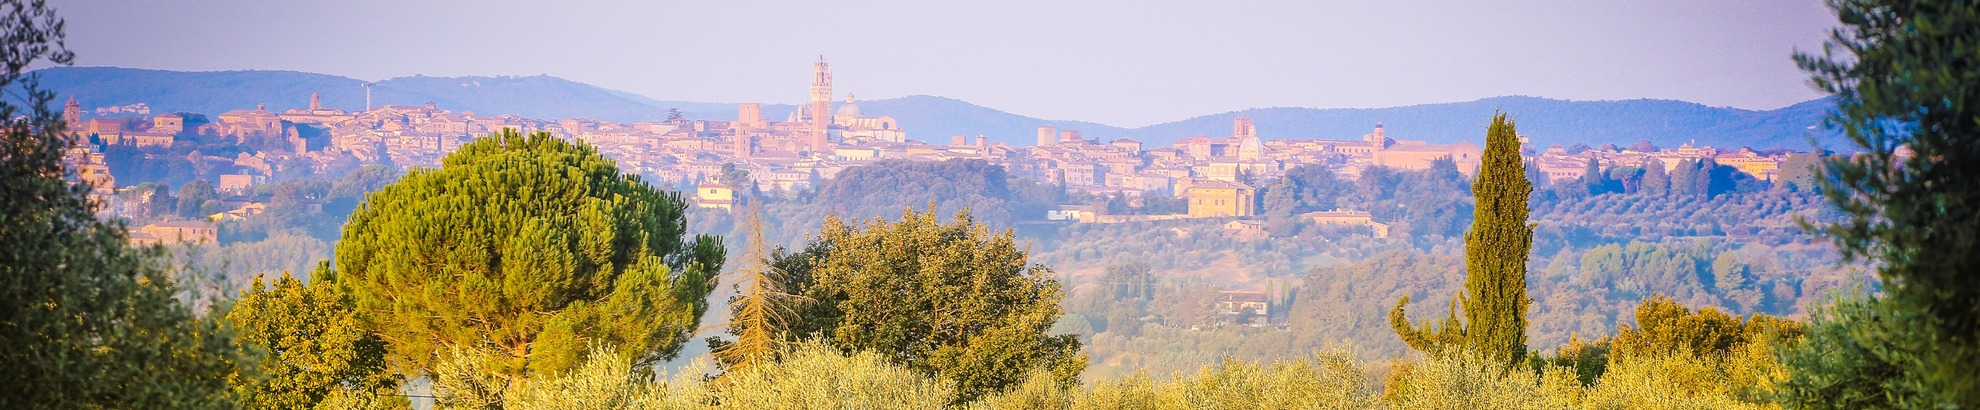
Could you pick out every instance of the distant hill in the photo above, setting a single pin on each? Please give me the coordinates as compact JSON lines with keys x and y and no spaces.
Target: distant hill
{"x":214,"y":92}
{"x":935,"y":119}
{"x":1666,"y":123}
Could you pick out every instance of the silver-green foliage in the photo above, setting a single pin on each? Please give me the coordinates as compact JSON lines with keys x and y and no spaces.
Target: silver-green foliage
{"x":811,"y":376}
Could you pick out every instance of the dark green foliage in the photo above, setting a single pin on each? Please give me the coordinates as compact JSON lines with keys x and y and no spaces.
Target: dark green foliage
{"x":1435,"y":201}
{"x":1588,"y":359}
{"x":530,"y":250}
{"x":1129,"y":281}
{"x":1703,"y":179}
{"x":162,"y":165}
{"x":1656,"y":181}
{"x":86,"y":321}
{"x":1593,"y":181}
{"x":1623,"y":179}
{"x":877,"y":190}
{"x":1798,"y":173}
{"x":1640,"y":269}
{"x":193,"y":197}
{"x":1861,"y":352}
{"x":734,"y":177}
{"x":1306,"y":188}
{"x":1763,"y":217}
{"x":312,"y":344}
{"x":346,"y":192}
{"x":1906,"y":73}
{"x":1281,"y":207}
{"x":951,"y":299}
{"x":1495,"y":300}
{"x":290,"y":203}
{"x":1316,"y":188}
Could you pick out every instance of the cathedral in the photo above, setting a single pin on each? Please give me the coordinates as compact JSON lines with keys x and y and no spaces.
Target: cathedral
{"x":847,"y":125}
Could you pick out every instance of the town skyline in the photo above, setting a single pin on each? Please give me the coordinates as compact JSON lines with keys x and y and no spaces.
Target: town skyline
{"x":110,"y":90}
{"x":1055,"y":62}
{"x":1218,"y":174}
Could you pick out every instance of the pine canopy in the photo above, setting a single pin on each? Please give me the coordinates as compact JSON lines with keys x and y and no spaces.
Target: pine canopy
{"x":530,"y":250}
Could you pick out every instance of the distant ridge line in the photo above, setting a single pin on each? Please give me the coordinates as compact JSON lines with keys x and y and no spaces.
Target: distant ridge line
{"x":1665,"y":123}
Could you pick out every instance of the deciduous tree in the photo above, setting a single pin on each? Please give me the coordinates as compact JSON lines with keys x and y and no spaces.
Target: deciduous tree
{"x":760,"y":309}
{"x":313,"y":348}
{"x":951,"y":299}
{"x":193,"y":197}
{"x":86,"y":321}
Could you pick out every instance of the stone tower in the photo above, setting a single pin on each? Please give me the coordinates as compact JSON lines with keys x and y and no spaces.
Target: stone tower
{"x":1245,"y":136}
{"x":750,"y":115}
{"x":1242,"y":129}
{"x":744,"y":144}
{"x":72,"y":113}
{"x":315,"y":103}
{"x":821,"y":107}
{"x":1379,"y":139}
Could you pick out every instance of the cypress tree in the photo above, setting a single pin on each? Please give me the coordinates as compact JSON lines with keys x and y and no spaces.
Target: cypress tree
{"x":1592,"y":177}
{"x":1495,"y":251}
{"x":1656,"y":182}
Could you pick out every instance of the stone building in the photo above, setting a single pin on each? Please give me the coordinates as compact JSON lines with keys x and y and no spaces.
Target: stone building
{"x":1211,"y":198}
{"x":174,"y":232}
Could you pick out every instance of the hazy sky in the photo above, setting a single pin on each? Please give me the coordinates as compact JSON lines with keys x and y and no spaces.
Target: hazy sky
{"x":1127,"y":63}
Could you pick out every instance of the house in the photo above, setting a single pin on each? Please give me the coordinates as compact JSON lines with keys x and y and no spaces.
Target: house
{"x":1080,"y":213}
{"x":238,"y":184}
{"x":1347,"y":218}
{"x":1221,"y":198}
{"x":240,"y":213}
{"x":714,"y":196}
{"x":1245,"y":230}
{"x":175,"y":232}
{"x":1251,"y":308}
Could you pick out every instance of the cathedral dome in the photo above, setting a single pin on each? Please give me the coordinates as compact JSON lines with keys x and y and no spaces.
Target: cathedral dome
{"x":850,"y":109}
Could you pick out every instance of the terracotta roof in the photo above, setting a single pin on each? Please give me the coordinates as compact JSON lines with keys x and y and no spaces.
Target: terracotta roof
{"x":1241,"y":297}
{"x":1216,"y":184}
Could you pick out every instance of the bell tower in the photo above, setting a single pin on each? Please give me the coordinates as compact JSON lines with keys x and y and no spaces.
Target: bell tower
{"x":1242,"y":128}
{"x":1378,"y":139}
{"x":821,"y":106}
{"x":72,"y":113}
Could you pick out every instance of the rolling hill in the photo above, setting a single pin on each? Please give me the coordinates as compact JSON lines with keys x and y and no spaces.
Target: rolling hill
{"x":214,"y":92}
{"x":1665,"y":123}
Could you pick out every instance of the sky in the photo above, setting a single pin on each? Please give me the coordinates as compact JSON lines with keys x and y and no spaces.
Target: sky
{"x":1123,"y":63}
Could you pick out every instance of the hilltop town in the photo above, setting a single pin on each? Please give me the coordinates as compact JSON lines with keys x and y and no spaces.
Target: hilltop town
{"x":1216,"y":174}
